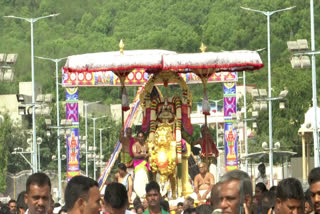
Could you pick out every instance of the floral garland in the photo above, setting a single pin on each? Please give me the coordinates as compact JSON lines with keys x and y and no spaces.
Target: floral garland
{"x":177,"y":122}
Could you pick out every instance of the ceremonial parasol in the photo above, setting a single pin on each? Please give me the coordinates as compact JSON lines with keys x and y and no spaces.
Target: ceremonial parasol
{"x":119,"y":62}
{"x":206,"y":63}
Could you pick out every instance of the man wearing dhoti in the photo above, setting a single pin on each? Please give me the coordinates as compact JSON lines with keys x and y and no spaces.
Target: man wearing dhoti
{"x":127,"y":142}
{"x":203,"y":183}
{"x":140,"y":164}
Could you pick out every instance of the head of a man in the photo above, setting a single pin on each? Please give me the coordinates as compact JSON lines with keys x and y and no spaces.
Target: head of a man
{"x":145,"y":204}
{"x":215,"y":195}
{"x":129,"y":132}
{"x":188,"y":203}
{"x":314,"y":184}
{"x":260,"y":189}
{"x":38,"y":193}
{"x":12,"y":204}
{"x":139,"y":209}
{"x":308,"y":208}
{"x":21,"y":205}
{"x":203,"y":168}
{"x":179,"y":207}
{"x":116,"y":198}
{"x":268,"y":200}
{"x":140,"y":137}
{"x":289,"y":196}
{"x":236,"y":189}
{"x":122,"y":169}
{"x":82,"y":195}
{"x":262,"y":169}
{"x":153,"y":194}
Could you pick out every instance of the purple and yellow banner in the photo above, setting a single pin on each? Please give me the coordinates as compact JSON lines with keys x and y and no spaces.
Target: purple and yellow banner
{"x":73,"y":147}
{"x":137,"y":77}
{"x":230,"y":134}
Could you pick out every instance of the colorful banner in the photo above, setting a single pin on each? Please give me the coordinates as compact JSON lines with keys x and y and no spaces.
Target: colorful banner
{"x":137,"y":77}
{"x":230,"y":134}
{"x":73,"y":147}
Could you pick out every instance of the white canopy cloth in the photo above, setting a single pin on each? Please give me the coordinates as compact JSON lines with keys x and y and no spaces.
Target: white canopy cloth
{"x":114,"y":61}
{"x":218,"y":61}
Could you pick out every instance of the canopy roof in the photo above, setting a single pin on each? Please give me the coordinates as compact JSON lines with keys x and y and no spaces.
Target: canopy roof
{"x":218,"y":61}
{"x":259,"y":155}
{"x":164,"y":60}
{"x":115,"y":61}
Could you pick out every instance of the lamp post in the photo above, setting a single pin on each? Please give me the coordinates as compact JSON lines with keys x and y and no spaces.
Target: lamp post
{"x":100,"y":155}
{"x":39,"y":141}
{"x":315,"y":104}
{"x":245,"y":119}
{"x":66,"y":126}
{"x":268,"y":14}
{"x":217,"y":139}
{"x":94,"y":145}
{"x":314,"y":91}
{"x":31,"y":21}
{"x":86,"y":121}
{"x":58,"y":119}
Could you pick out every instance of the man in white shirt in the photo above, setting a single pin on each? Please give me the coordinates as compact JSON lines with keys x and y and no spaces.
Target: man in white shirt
{"x":38,"y":193}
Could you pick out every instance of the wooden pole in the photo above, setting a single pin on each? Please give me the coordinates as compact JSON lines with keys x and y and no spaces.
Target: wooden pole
{"x":206,"y":140}
{"x":122,"y":122}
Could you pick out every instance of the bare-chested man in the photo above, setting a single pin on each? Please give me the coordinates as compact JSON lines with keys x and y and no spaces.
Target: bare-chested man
{"x":127,"y":142}
{"x":203,"y":183}
{"x":141,"y":165}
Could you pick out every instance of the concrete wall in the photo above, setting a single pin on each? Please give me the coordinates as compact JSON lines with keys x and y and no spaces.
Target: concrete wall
{"x":16,"y":183}
{"x":26,"y":88}
{"x":297,"y":163}
{"x":9,"y":105}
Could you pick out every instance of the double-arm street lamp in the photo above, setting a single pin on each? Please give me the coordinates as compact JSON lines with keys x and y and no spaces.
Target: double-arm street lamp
{"x":314,"y":99}
{"x":304,"y":64}
{"x":268,"y":14}
{"x":314,"y":89}
{"x":31,"y":21}
{"x":58,"y":117}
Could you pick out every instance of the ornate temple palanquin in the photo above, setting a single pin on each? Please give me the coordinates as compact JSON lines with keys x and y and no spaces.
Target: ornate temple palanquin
{"x":165,"y":117}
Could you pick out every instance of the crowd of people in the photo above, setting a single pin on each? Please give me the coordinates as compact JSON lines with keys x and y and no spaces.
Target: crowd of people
{"x":232,"y":194}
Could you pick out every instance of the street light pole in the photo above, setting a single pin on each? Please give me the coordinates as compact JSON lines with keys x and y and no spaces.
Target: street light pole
{"x":245,"y":120}
{"x":314,"y":91}
{"x":86,"y":121}
{"x":34,"y":145}
{"x":268,"y":14}
{"x":217,"y":140}
{"x":94,"y":145}
{"x":100,"y":155}
{"x":58,"y":121}
{"x":39,"y":141}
